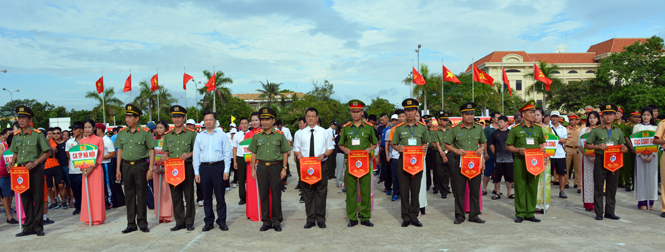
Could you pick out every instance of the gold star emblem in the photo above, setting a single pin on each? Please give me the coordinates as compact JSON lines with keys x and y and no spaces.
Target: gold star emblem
{"x":468,"y":106}
{"x":176,"y":109}
{"x":449,"y":75}
{"x":129,"y":107}
{"x":408,"y":102}
{"x":265,"y":110}
{"x":608,"y":106}
{"x":20,"y":109}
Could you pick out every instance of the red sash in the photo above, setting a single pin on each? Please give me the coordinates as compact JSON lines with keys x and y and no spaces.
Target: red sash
{"x":613,"y":158}
{"x":470,"y":164}
{"x":310,"y":170}
{"x":535,"y":161}
{"x":174,"y":168}
{"x":412,"y":159}
{"x":20,"y":179}
{"x":358,"y":163}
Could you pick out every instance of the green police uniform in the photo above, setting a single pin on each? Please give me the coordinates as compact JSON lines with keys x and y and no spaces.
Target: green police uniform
{"x":603,"y":178}
{"x":135,"y":146}
{"x":28,"y":146}
{"x":366,"y":138}
{"x":176,"y":144}
{"x":441,"y":170}
{"x":626,"y":175}
{"x":268,"y":148}
{"x":409,"y":134}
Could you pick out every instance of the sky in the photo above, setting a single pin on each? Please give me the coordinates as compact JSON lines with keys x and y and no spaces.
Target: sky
{"x":55,"y":50}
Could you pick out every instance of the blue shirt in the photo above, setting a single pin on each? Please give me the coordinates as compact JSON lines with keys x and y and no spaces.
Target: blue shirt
{"x":113,"y":140}
{"x":383,"y":135}
{"x":213,"y":147}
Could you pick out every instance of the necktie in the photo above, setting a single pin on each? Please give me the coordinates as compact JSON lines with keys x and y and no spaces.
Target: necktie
{"x":311,"y":144}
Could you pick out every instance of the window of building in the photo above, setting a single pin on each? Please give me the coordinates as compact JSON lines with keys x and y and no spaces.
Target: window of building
{"x":556,"y":72}
{"x":591,"y":71}
{"x":572,"y":72}
{"x":518,"y":85}
{"x":513,"y":71}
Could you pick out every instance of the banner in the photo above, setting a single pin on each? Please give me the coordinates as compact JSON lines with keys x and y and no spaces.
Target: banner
{"x":158,"y":152}
{"x":412,"y":159}
{"x":7,"y":155}
{"x":310,"y":170}
{"x":613,"y":158}
{"x":358,"y":163}
{"x":643,"y":142}
{"x":551,"y":141}
{"x":586,"y":151}
{"x":535,"y":161}
{"x":174,"y":168}
{"x":20,"y":179}
{"x":243,"y":149}
{"x":471,"y":164}
{"x":83,"y":156}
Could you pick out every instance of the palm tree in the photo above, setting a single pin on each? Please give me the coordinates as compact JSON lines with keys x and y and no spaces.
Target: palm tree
{"x":166,"y":100}
{"x":109,"y":100}
{"x":431,"y":87}
{"x":146,"y":99}
{"x":269,"y":90}
{"x":548,"y":71}
{"x":223,"y":92}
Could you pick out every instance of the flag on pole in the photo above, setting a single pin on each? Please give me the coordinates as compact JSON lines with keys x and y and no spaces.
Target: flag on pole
{"x":539,"y":76}
{"x":449,"y":76}
{"x":154,"y":84}
{"x":482,"y":77}
{"x":417,"y":78}
{"x":100,"y":85}
{"x":128,"y":84}
{"x":232,"y":119}
{"x":185,"y":79}
{"x":211,"y":83}
{"x":506,"y":83}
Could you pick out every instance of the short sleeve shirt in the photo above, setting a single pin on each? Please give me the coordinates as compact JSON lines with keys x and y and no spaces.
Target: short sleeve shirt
{"x":488,"y":131}
{"x":411,"y":135}
{"x":364,"y":134}
{"x":135,"y":145}
{"x":28,"y":146}
{"x":660,"y":132}
{"x":178,"y":144}
{"x":498,"y":139}
{"x":518,"y":135}
{"x":442,"y":136}
{"x":466,"y":138}
{"x":269,"y":146}
{"x":602,"y":134}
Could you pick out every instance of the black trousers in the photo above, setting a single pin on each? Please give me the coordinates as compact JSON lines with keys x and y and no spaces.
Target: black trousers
{"x":117,"y":195}
{"x":75,"y":181}
{"x":33,"y":200}
{"x":430,"y":161}
{"x":270,"y":182}
{"x":441,"y":177}
{"x":600,"y":176}
{"x":242,"y":177}
{"x":212,"y":180}
{"x":459,"y":187}
{"x":386,"y":171}
{"x":332,"y":163}
{"x":315,"y":196}
{"x":136,"y":193}
{"x":184,"y":215}
{"x":409,"y":186}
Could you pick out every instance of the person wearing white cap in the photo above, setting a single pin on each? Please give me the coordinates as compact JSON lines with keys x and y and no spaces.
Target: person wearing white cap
{"x":559,"y":158}
{"x":190,"y":124}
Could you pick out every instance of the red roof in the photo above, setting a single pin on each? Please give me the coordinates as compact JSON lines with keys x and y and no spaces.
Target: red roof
{"x":496,"y":56}
{"x":613,"y":45}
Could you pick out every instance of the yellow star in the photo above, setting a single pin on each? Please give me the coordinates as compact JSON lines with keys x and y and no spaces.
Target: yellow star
{"x":449,"y":75}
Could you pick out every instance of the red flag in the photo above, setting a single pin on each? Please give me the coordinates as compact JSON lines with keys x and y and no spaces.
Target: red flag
{"x":506,"y":83}
{"x":211,"y":83}
{"x":449,"y":76}
{"x":185,"y":79}
{"x":417,"y":78}
{"x":482,"y":77}
{"x":100,"y":85}
{"x":128,"y":84}
{"x":539,"y":76}
{"x":154,"y":85}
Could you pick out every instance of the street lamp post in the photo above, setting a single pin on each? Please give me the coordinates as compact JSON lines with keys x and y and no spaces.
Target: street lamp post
{"x":197,"y":100}
{"x":10,"y":92}
{"x":420,"y":69}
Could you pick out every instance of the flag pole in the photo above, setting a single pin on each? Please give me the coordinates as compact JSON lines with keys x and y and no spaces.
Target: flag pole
{"x":185,"y":90}
{"x":158,"y":108}
{"x":103,"y":102}
{"x":503,"y":86}
{"x":130,"y":87}
{"x":214,"y":105}
{"x":473,"y":91}
{"x":87,"y":196}
{"x":159,"y":201}
{"x":442,"y":75}
{"x":411,"y":84}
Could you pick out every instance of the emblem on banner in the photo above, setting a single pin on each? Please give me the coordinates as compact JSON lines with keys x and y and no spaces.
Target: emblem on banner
{"x":471,"y":165}
{"x":20,"y":180}
{"x":359,"y":164}
{"x":414,"y":160}
{"x":534,"y":162}
{"x":613,"y":158}
{"x":175,"y":172}
{"x":310,"y":171}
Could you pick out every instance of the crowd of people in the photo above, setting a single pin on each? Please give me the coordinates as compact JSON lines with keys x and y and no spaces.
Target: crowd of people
{"x":408,"y":152}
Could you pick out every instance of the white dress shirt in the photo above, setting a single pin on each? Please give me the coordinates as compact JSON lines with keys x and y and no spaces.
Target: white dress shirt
{"x":71,"y":143}
{"x":235,"y":143}
{"x":322,"y":141}
{"x":213,"y":147}
{"x":108,"y":148}
{"x":287,"y":133}
{"x":562,"y":132}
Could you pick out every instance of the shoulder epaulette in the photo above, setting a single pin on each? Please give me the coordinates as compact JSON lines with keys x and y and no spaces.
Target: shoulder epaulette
{"x":372,"y":125}
{"x":17,"y":132}
{"x":259,"y":131}
{"x":454,"y":125}
{"x":478,"y":123}
{"x":435,"y":129}
{"x":594,"y":127}
{"x":278,"y":131}
{"x":400,"y":125}
{"x":422,"y":123}
{"x":168,"y":132}
{"x":146,"y":129}
{"x":37,"y":131}
{"x":537,"y":124}
{"x":347,"y":124}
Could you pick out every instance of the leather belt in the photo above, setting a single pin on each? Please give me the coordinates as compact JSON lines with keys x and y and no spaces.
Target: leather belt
{"x":574,"y":147}
{"x":212,"y":163}
{"x":270,"y":163}
{"x":135,"y":161}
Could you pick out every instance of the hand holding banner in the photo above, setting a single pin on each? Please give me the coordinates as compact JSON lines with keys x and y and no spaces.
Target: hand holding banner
{"x":310,"y":170}
{"x":470,"y":164}
{"x":643,"y":142}
{"x":613,"y":158}
{"x":358,"y":163}
{"x":535,"y":161}
{"x":412,"y":159}
{"x":20,"y":179}
{"x":174,"y":168}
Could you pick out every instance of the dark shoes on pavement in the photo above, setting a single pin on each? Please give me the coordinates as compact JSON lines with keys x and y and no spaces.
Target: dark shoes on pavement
{"x":367,"y":223}
{"x":458,"y":220}
{"x":352,"y":223}
{"x":12,"y":221}
{"x":322,"y":224}
{"x":477,"y":220}
{"x":519,"y":219}
{"x":144,"y":229}
{"x":129,"y":230}
{"x":309,"y":225}
{"x":277,"y":228}
{"x":177,"y":227}
{"x":241,"y":202}
{"x":612,"y":216}
{"x":563,"y":195}
{"x":264,"y":228}
{"x":532,"y":219}
{"x":223,"y":227}
{"x":207,"y":228}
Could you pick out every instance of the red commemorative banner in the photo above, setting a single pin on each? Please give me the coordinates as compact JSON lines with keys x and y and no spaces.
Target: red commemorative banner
{"x":470,"y":164}
{"x":20,"y":179}
{"x":613,"y":158}
{"x":358,"y":163}
{"x":174,"y":168}
{"x":310,"y":170}
{"x":412,"y":159}
{"x":535,"y":161}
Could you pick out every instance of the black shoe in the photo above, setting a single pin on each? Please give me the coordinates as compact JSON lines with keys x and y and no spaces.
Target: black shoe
{"x":177,"y":227}
{"x":422,"y":210}
{"x":662,"y":214}
{"x":129,"y":230}
{"x":435,"y":190}
{"x":352,"y":223}
{"x":612,"y":216}
{"x":24,"y":233}
{"x":64,"y":206}
{"x":532,"y":219}
{"x":458,"y":220}
{"x":302,"y":200}
{"x":277,"y":228}
{"x":405,"y":223}
{"x":519,"y":219}
{"x":575,"y":186}
{"x":322,"y":224}
{"x":48,"y":221}
{"x":333,"y":177}
{"x":477,"y":220}
{"x":621,"y":186}
{"x":599,"y":217}
{"x":484,"y":193}
{"x":242,"y":202}
{"x":555,"y":183}
{"x":367,"y":223}
{"x":417,"y":223}
{"x":144,"y":229}
{"x":223,"y":227}
{"x":628,"y":189}
{"x":190,"y":227}
{"x":40,"y":233}
{"x":297,"y":186}
{"x":12,"y":221}
{"x":76,"y":212}
{"x":567,"y":186}
{"x":444,"y":195}
{"x":427,"y":188}
{"x":579,"y":190}
{"x":207,"y":228}
{"x":563,"y":195}
{"x":309,"y":225}
{"x":264,"y":228}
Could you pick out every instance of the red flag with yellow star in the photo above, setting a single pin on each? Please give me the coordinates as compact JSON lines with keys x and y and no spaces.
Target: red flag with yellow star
{"x":539,"y":76}
{"x":417,"y":78}
{"x":449,"y":76}
{"x":211,"y":83}
{"x":128,"y":84}
{"x":482,"y":77}
{"x":100,"y":85}
{"x":185,"y":79}
{"x":154,"y":84}
{"x":506,"y":83}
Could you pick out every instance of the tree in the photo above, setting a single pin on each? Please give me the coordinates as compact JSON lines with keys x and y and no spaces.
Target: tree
{"x":235,"y":107}
{"x":429,"y":92}
{"x":379,"y":105}
{"x":221,"y":89}
{"x":165,"y":102}
{"x":555,"y":87}
{"x":110,"y":103}
{"x":146,"y":99}
{"x":322,"y":92}
{"x":269,"y":90}
{"x":572,"y":96}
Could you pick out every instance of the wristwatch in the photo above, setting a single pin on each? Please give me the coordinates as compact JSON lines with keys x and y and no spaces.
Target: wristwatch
{"x":284,"y":168}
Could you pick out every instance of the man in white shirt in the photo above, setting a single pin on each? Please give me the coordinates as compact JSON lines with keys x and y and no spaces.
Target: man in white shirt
{"x":559,"y":159}
{"x":75,"y":178}
{"x":109,"y":153}
{"x":287,"y":134}
{"x":302,"y":123}
{"x":239,"y":164}
{"x":314,"y":141}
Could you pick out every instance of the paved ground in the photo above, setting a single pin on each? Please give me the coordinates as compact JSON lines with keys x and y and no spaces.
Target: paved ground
{"x":566,"y":227}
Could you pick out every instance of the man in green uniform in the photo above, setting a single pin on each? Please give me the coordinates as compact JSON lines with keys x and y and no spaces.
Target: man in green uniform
{"x":409,"y":133}
{"x":431,"y":152}
{"x":626,"y":176}
{"x":523,"y":136}
{"x":441,"y":170}
{"x":178,"y":144}
{"x":135,"y":146}
{"x":599,"y":139}
{"x":270,"y":148}
{"x":30,"y":151}
{"x":357,"y":135}
{"x":467,"y":137}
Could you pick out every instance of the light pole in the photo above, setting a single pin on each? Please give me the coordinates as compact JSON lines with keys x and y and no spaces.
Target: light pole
{"x":196,"y":105}
{"x":185,"y":100}
{"x":10,"y":92}
{"x":420,"y":70}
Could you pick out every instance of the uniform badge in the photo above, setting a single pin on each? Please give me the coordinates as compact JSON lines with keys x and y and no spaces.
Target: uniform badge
{"x":265,"y":110}
{"x":20,"y":109}
{"x":468,"y":106}
{"x":408,"y":102}
{"x":355,"y":103}
{"x":608,"y":106}
{"x":176,"y":109}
